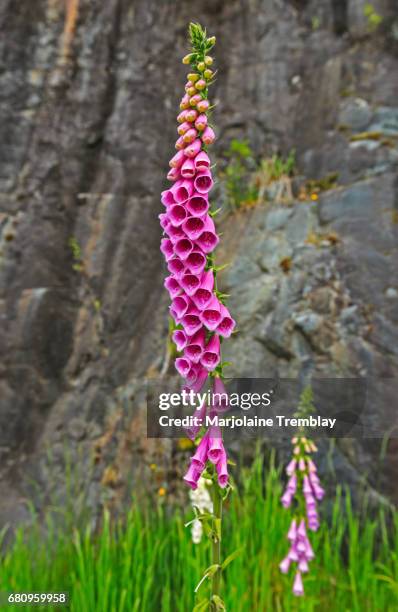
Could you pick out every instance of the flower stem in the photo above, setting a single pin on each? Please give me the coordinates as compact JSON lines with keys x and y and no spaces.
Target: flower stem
{"x":216,"y":547}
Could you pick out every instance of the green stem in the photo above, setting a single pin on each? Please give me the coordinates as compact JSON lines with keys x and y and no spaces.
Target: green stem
{"x":216,"y":547}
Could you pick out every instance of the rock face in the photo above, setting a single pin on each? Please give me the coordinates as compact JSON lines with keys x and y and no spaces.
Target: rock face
{"x":88,"y":99}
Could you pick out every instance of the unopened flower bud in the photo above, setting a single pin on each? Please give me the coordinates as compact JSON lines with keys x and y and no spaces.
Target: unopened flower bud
{"x":180,"y":143}
{"x":187,"y":58}
{"x":208,"y":136}
{"x":208,"y":74}
{"x":201,"y":122}
{"x":190,"y":136}
{"x":202,"y":106}
{"x":208,"y":60}
{"x":182,"y":117}
{"x":212,"y":40}
{"x":201,"y":84}
{"x":191,"y":91}
{"x":191,"y":115}
{"x":201,"y":66}
{"x":193,"y":77}
{"x":195,"y":99}
{"x":184,"y":104}
{"x":184,"y":127}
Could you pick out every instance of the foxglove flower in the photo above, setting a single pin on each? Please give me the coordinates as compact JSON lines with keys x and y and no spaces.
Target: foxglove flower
{"x":190,"y":237}
{"x":303,"y":480}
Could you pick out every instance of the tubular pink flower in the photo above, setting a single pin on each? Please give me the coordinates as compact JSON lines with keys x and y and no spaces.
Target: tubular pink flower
{"x":196,"y":262}
{"x":195,"y":347}
{"x":167,"y":198}
{"x":200,"y":415}
{"x":173,"y":174}
{"x":286,"y":499}
{"x":291,"y":467}
{"x":180,"y":339}
{"x":165,"y":221}
{"x":183,"y":366}
{"x":203,"y":296}
{"x":208,"y":136}
{"x":177,"y":214}
{"x":203,"y":181}
{"x":211,"y":355}
{"x":176,"y":267}
{"x":198,"y":205}
{"x":211,"y":315}
{"x":190,"y":283}
{"x":175,"y":232}
{"x":188,"y":168}
{"x":193,"y":227}
{"x":193,"y":149}
{"x":183,"y":191}
{"x":199,"y":458}
{"x":285,"y":564}
{"x":180,"y":305}
{"x":303,"y":565}
{"x":166,"y":246}
{"x":177,"y":160}
{"x":172,"y":286}
{"x":227,"y":324}
{"x":298,"y":588}
{"x":220,"y":396}
{"x":192,"y":476}
{"x":222,"y":469}
{"x":198,"y":384}
{"x":306,"y":485}
{"x":202,"y":161}
{"x":216,"y":446}
{"x":183,"y":248}
{"x":208,"y":240}
{"x":292,"y":533}
{"x":191,"y":322}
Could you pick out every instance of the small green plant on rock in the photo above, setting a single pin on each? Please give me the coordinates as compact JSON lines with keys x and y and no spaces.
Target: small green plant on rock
{"x":237,"y":173}
{"x":373,"y":18}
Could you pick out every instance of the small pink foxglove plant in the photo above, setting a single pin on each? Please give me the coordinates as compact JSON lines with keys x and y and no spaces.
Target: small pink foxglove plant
{"x":200,"y":316}
{"x":304,"y":486}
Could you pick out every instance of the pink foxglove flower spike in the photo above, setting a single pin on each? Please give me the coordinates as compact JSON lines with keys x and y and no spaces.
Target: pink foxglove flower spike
{"x":201,"y":318}
{"x":304,"y":486}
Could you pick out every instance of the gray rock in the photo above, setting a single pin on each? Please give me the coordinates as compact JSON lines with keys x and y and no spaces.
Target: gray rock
{"x":355,"y":114}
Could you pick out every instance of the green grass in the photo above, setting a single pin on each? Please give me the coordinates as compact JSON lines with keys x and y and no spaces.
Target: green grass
{"x":148,"y":562}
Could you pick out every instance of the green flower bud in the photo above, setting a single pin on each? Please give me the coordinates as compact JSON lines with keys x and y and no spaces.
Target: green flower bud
{"x":208,"y":60}
{"x":187,"y":59}
{"x":208,"y":74}
{"x":212,"y":40}
{"x":201,"y":66}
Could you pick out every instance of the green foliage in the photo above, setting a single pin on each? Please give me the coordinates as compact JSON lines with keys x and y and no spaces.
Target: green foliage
{"x":147,"y":562}
{"x":276,"y":167}
{"x":237,"y":174}
{"x":374,"y":19}
{"x":76,"y":254}
{"x":246,"y":179}
{"x":315,"y":22}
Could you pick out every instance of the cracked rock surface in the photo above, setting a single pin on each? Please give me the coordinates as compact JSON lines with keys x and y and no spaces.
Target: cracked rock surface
{"x":88,"y":99}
